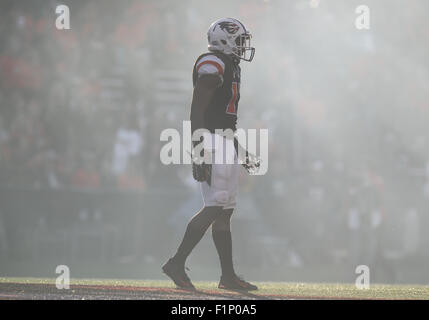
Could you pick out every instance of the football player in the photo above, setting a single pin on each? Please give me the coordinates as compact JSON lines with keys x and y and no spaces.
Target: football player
{"x":216,"y":81}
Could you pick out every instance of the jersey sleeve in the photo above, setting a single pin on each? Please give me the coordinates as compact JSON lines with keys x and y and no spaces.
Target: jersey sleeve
{"x":210,"y":64}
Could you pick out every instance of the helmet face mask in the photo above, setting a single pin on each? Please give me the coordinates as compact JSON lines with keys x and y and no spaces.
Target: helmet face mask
{"x":243,"y":49}
{"x":230,"y":37}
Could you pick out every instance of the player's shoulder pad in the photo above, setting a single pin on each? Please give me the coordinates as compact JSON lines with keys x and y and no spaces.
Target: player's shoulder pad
{"x":210,"y":64}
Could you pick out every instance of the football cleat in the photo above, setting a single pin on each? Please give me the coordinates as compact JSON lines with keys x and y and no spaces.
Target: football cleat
{"x":177,"y":273}
{"x":235,"y":283}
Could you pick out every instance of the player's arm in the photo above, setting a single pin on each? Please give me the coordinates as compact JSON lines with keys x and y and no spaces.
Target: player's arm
{"x":210,"y":70}
{"x":204,"y":90}
{"x":203,"y":93}
{"x":210,"y":76}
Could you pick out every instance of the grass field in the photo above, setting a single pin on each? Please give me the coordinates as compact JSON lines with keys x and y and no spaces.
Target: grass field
{"x":37,"y":288}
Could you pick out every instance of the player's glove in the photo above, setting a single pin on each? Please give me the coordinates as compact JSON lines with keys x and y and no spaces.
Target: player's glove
{"x":251,"y":163}
{"x":201,"y":171}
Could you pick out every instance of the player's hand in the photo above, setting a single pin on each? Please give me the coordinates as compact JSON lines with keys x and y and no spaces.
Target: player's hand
{"x":201,"y":171}
{"x":251,"y":163}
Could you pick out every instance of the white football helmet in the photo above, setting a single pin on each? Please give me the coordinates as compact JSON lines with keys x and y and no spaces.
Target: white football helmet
{"x":228,"y":35}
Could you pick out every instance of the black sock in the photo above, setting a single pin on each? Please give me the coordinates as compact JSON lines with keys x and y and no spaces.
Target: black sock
{"x":195,"y":230}
{"x":221,"y":232}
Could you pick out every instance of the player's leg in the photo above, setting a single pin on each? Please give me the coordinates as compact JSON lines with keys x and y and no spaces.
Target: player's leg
{"x":221,"y":233}
{"x":195,"y":230}
{"x":228,"y":176}
{"x":197,"y":226}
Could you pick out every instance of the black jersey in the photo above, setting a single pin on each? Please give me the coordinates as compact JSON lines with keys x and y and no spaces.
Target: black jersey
{"x":221,"y":113}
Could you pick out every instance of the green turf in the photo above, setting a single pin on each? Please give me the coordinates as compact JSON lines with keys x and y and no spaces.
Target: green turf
{"x":288,"y":290}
